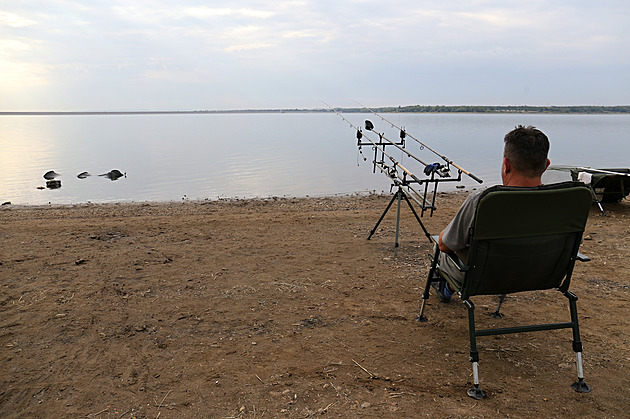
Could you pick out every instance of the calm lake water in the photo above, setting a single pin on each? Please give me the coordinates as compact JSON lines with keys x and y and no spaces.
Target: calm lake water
{"x":210,"y":156}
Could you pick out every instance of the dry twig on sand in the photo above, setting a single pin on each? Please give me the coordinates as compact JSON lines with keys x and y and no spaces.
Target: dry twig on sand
{"x":360,"y":366}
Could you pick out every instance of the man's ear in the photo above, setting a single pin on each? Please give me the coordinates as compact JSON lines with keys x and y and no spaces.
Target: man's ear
{"x":548,"y":163}
{"x":507,"y":166}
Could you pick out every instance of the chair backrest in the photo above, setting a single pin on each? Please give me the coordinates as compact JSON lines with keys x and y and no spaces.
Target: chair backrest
{"x":526,"y":239}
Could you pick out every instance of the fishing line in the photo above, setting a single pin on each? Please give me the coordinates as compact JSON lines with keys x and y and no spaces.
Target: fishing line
{"x":369,"y":126}
{"x":423,"y":146}
{"x":390,"y":171}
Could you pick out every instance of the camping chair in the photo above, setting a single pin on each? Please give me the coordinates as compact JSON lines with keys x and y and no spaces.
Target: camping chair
{"x":607,"y":185}
{"x":522,"y":239}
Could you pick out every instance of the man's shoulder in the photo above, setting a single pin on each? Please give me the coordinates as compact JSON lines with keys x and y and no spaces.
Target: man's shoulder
{"x":474,"y":196}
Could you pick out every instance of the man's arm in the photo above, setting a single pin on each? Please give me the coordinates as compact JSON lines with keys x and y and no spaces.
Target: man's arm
{"x":457,"y":231}
{"x":443,"y":248}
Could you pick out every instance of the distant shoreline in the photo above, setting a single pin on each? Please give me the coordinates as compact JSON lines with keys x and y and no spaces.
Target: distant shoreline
{"x":564,"y":110}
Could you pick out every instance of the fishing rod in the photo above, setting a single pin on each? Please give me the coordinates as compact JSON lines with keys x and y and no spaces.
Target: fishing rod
{"x":404,"y":179}
{"x":430,"y":170}
{"x":370,"y":127}
{"x":381,"y":147}
{"x":588,"y":169}
{"x":447,"y":160}
{"x":415,"y":195}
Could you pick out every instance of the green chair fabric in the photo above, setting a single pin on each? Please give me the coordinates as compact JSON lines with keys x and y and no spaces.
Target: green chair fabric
{"x":524,"y":238}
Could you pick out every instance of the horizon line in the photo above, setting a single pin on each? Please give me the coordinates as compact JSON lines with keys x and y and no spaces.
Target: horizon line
{"x":383,"y":109}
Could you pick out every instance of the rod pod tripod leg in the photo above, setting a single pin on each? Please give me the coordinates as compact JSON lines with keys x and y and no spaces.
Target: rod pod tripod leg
{"x":399,"y":195}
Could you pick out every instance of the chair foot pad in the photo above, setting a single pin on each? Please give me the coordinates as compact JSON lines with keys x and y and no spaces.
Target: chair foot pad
{"x":580,"y":386}
{"x":476,"y":393}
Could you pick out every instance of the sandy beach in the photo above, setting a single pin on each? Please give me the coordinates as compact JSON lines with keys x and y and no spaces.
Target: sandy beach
{"x":282,"y":308}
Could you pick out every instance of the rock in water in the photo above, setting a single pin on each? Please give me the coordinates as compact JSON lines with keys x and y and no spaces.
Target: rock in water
{"x":114,"y":174}
{"x":51,"y":174}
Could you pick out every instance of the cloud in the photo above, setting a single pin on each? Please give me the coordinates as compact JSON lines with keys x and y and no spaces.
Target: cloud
{"x":205,"y":12}
{"x":244,"y":47}
{"x":275,"y":54}
{"x":18,"y":73}
{"x":14,"y":20}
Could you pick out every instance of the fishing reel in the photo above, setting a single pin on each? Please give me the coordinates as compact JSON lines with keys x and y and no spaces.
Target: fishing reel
{"x":437,"y":168}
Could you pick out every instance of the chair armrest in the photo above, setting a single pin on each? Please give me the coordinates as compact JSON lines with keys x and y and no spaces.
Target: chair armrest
{"x":583,"y":258}
{"x":461,"y":266}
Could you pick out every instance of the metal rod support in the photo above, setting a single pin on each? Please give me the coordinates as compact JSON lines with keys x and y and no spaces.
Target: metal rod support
{"x":578,"y":361}
{"x":520,"y":329}
{"x":396,"y":244}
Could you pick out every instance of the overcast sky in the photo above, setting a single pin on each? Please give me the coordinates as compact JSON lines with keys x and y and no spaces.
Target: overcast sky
{"x":186,"y":54}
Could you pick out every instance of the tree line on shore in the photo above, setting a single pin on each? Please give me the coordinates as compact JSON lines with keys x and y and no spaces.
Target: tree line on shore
{"x":581,"y":109}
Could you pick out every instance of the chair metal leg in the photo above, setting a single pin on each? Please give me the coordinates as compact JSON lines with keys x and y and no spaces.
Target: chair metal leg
{"x":421,"y":317}
{"x":497,"y":314}
{"x":580,"y":386}
{"x":475,"y":391}
{"x":427,"y":287}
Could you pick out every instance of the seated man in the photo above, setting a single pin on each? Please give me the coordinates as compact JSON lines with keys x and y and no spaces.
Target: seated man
{"x":524,"y":162}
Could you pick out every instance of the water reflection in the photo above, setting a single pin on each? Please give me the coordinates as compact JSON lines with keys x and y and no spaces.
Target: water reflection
{"x":53,"y":184}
